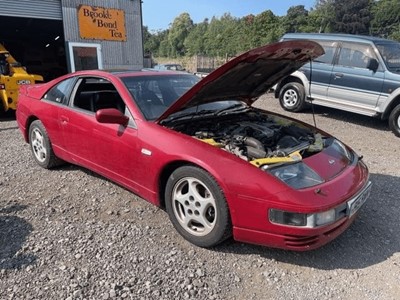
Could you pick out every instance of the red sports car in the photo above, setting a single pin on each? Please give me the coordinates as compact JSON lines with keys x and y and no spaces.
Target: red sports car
{"x":219,"y":166}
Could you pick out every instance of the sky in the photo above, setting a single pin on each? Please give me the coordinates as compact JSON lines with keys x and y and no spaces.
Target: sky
{"x":159,"y":14}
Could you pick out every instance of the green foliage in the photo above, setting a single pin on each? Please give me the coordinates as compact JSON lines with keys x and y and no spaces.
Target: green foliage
{"x":296,"y":19}
{"x":196,"y":40}
{"x":352,"y":16}
{"x":386,"y":19}
{"x":178,"y":32}
{"x":323,"y":16}
{"x":229,"y":36}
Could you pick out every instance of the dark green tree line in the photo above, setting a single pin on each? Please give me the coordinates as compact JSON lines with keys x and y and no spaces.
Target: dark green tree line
{"x":228,"y":35}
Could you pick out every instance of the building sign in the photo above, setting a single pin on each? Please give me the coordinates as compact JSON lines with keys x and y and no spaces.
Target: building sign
{"x":101,"y":23}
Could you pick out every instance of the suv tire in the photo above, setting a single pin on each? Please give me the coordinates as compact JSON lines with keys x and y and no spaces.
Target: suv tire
{"x":394,"y":120}
{"x":292,"y":97}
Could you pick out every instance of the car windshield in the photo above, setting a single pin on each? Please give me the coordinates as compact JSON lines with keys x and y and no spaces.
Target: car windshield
{"x":390,"y":52}
{"x":154,"y":94}
{"x":217,"y":108}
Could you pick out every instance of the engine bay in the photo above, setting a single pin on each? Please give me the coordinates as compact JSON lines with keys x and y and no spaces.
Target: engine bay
{"x":254,"y":136}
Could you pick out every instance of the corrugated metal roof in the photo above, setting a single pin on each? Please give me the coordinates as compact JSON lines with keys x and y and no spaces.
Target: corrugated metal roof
{"x":41,"y":9}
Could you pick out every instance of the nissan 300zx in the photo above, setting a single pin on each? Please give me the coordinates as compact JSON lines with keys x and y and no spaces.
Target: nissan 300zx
{"x":220,"y":167}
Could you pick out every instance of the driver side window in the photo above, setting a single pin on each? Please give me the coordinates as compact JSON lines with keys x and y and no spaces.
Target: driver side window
{"x":355,"y":55}
{"x":93,"y":94}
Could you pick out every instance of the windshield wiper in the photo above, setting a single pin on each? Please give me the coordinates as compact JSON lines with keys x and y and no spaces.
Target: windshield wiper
{"x":234,"y":108}
{"x":188,"y":115}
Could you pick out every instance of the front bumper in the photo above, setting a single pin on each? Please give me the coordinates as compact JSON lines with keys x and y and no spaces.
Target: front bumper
{"x":306,"y":238}
{"x":315,"y":239}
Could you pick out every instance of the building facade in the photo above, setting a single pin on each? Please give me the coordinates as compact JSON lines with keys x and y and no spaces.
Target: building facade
{"x":52,"y":37}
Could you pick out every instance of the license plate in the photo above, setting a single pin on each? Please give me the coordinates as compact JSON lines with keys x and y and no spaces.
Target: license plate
{"x":355,"y":204}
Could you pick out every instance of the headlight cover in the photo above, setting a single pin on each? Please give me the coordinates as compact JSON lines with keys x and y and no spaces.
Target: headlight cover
{"x":342,"y":149}
{"x":297,"y":175}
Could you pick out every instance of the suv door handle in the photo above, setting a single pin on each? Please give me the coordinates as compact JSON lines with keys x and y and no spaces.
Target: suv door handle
{"x":339,"y":75}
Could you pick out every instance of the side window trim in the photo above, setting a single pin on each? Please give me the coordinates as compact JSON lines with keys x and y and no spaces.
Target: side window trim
{"x":356,"y":55}
{"x":74,"y":93}
{"x":60,"y":97}
{"x":333,"y":54}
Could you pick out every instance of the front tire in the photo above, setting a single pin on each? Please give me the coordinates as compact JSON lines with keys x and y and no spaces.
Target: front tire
{"x":394,"y":120}
{"x":41,"y":146}
{"x":197,"y":207}
{"x":292,"y":97}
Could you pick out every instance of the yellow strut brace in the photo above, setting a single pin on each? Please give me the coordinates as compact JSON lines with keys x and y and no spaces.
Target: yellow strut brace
{"x":292,"y":157}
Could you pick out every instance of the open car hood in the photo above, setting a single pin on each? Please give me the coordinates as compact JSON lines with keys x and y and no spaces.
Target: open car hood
{"x":249,"y":75}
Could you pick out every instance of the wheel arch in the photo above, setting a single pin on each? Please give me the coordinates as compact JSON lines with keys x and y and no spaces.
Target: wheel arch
{"x":28,"y":123}
{"x":169,"y":168}
{"x":298,"y":77}
{"x":395,"y":101}
{"x":163,"y":178}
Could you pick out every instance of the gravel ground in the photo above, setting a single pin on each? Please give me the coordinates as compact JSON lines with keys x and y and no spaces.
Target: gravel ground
{"x":70,"y":234}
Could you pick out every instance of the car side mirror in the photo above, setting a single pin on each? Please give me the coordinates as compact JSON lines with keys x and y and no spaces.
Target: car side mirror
{"x":372,"y":64}
{"x":111,"y":116}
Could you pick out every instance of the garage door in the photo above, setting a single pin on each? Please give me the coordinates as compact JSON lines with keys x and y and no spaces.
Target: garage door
{"x":41,"y":9}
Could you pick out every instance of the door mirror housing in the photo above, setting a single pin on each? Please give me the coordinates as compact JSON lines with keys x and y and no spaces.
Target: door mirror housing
{"x":372,"y":64}
{"x":111,"y":116}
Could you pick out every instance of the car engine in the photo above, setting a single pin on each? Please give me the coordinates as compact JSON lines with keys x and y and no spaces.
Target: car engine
{"x":255,"y":135}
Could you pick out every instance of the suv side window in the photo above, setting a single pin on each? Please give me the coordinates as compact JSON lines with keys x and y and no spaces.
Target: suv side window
{"x":355,"y":55}
{"x":330,"y":49}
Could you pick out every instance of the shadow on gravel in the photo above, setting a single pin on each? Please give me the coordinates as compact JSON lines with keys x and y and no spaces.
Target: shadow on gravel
{"x":13,"y":233}
{"x":344,"y":116}
{"x":370,"y":240}
{"x":9,"y":128}
{"x":7,"y":116}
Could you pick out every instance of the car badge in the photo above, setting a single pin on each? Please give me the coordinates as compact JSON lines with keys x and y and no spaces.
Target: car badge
{"x":146,"y":152}
{"x":331,"y":161}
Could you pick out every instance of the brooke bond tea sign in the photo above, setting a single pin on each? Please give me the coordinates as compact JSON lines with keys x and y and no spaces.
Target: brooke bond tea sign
{"x":101,"y":23}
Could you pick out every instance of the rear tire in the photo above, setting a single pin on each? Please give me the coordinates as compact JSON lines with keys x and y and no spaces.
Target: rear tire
{"x":394,"y":120}
{"x":292,"y":97}
{"x":41,"y":146}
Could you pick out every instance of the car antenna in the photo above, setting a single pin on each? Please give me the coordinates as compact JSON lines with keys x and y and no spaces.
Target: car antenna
{"x":311,"y":99}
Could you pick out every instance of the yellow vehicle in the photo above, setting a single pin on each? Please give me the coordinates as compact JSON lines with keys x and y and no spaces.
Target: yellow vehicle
{"x":12,"y":75}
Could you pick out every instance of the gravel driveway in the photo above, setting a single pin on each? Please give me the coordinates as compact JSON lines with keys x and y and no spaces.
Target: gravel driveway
{"x":70,"y":234}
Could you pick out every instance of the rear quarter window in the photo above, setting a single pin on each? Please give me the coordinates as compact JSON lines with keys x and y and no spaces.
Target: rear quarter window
{"x":60,"y":92}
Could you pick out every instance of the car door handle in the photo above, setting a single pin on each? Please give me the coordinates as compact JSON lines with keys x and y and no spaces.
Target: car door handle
{"x":64,"y":119}
{"x":339,"y":75}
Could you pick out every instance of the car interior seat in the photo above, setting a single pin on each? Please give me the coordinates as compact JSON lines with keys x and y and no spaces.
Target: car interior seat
{"x":108,"y":99}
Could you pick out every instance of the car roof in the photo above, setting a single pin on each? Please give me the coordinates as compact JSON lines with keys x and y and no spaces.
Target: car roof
{"x":335,"y":36}
{"x":125,"y":73}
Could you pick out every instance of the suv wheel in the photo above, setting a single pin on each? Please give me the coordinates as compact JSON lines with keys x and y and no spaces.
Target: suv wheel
{"x":292,"y":97}
{"x":394,"y":120}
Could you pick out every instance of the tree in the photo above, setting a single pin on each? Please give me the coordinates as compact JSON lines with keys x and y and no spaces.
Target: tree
{"x":196,"y":39}
{"x":295,"y":19}
{"x":152,"y":41}
{"x":268,"y":28}
{"x":324,"y":15}
{"x":222,"y":36}
{"x":352,"y":16}
{"x":386,"y":18}
{"x":178,"y":32}
{"x":156,"y":42}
